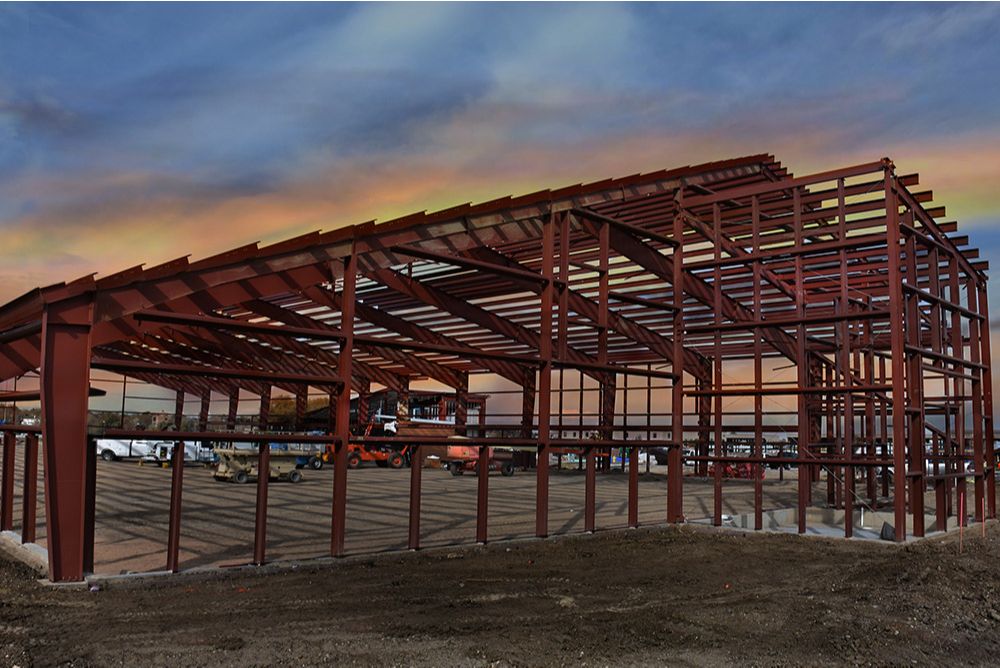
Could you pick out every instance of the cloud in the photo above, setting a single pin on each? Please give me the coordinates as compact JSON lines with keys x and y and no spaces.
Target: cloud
{"x":908,"y":27}
{"x":169,"y":132}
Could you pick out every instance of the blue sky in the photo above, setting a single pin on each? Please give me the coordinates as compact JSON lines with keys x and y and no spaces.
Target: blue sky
{"x":134,"y":132}
{"x":124,"y":119}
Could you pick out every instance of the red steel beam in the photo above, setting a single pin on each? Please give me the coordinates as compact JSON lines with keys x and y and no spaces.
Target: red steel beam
{"x":127,"y":366}
{"x":416,"y":364}
{"x":594,"y":312}
{"x":394,"y":323}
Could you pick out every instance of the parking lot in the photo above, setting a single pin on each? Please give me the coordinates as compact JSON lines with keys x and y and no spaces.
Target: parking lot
{"x":218,"y":517}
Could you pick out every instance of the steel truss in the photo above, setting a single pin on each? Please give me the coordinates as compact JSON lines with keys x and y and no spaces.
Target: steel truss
{"x":843,"y":275}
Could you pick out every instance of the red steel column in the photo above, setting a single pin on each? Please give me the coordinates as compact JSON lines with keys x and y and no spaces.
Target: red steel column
{"x":675,"y":459}
{"x":528,"y":403}
{"x":803,"y":471}
{"x":606,"y":390}
{"x":174,"y":526}
{"x":978,"y":455}
{"x":984,"y":342}
{"x":403,"y":401}
{"x":483,"y":496}
{"x":957,"y":350}
{"x":65,"y":379}
{"x":234,"y":406}
{"x":416,"y":468}
{"x":914,"y":387}
{"x":846,"y":344}
{"x":590,"y":494}
{"x":206,"y":400}
{"x":869,"y":377}
{"x":265,"y":408}
{"x":29,"y":500}
{"x":898,"y":356}
{"x":260,"y":517}
{"x":545,"y":380}
{"x":7,"y":482}
{"x":343,"y":420}
{"x":758,"y":376}
{"x":364,"y":406}
{"x":331,"y":414}
{"x":717,"y":399}
{"x":633,"y":486}
{"x":301,"y":403}
{"x":179,"y":410}
{"x":462,"y":406}
{"x":90,"y":507}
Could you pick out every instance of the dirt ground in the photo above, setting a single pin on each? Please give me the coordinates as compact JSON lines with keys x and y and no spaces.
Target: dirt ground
{"x":679,"y":596}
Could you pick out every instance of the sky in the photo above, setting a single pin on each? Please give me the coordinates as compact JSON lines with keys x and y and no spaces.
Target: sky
{"x":138,"y":133}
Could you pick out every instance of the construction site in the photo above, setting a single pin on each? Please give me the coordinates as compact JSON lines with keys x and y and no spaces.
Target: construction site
{"x":696,"y":365}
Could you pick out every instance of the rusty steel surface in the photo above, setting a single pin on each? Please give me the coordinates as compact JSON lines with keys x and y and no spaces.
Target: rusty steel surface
{"x":835,"y":314}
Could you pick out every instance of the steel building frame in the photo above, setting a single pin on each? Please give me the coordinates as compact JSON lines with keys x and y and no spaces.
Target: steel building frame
{"x":843,"y":274}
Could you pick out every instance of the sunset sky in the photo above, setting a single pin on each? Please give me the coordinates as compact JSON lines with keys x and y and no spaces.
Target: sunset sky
{"x":137,"y":133}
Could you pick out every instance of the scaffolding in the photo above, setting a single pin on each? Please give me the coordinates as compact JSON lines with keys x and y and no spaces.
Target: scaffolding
{"x":676,"y":277}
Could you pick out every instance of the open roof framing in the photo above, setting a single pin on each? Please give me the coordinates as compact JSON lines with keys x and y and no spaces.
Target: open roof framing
{"x":846,"y":274}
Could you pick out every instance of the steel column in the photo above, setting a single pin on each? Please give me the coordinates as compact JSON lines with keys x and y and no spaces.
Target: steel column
{"x":717,"y":376}
{"x":462,"y":406}
{"x":590,"y":491}
{"x":343,"y":424}
{"x":206,"y":400}
{"x":633,"y":485}
{"x":803,"y":470}
{"x":7,"y":482}
{"x":914,"y":388}
{"x":758,"y":376}
{"x":174,"y":522}
{"x":978,"y":455}
{"x":264,"y":415}
{"x":895,"y":279}
{"x":301,"y":403}
{"x":179,"y":410}
{"x":483,"y":496}
{"x":260,"y":516}
{"x":675,"y":459}
{"x":987,"y":383}
{"x":29,"y":499}
{"x":545,"y":379}
{"x":364,"y":408}
{"x":65,"y":385}
{"x":416,"y":469}
{"x":233,"y":409}
{"x":90,"y":507}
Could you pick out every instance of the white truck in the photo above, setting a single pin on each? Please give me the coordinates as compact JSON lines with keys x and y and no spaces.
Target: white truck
{"x":113,"y":449}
